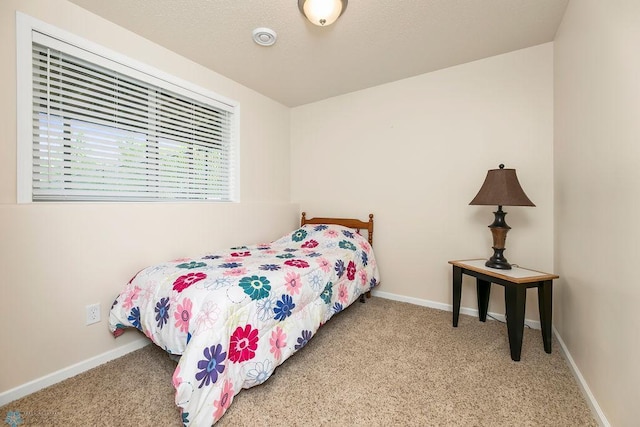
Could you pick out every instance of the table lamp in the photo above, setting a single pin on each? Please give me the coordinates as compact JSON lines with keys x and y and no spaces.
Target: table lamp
{"x":502,"y":188}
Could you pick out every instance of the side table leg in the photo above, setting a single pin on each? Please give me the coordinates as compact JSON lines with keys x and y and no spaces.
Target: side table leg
{"x":457,"y":293}
{"x":483,"y":289}
{"x":545,"y":309}
{"x":515,"y":297}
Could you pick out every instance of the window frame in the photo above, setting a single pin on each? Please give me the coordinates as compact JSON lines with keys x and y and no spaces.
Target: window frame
{"x":26,"y":26}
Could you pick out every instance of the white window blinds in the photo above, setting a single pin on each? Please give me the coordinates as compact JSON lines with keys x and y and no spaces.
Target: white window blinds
{"x":100,"y":134}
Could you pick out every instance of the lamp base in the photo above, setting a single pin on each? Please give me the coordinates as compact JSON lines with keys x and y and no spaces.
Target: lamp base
{"x":498,"y":260}
{"x":499,"y":230}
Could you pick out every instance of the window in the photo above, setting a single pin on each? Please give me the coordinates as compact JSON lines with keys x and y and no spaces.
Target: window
{"x":102,"y":130}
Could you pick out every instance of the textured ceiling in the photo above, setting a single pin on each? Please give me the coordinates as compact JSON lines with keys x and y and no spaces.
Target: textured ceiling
{"x":374,"y":42}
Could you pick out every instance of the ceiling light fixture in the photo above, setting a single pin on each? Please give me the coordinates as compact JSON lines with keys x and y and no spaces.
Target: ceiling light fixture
{"x":264,"y":36}
{"x":322,"y":12}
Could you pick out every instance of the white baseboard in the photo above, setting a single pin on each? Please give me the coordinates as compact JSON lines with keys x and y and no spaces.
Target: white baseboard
{"x":70,"y":371}
{"x":447,"y":307}
{"x":584,"y":387}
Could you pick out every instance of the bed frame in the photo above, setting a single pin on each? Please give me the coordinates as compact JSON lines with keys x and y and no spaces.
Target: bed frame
{"x":345,"y":222}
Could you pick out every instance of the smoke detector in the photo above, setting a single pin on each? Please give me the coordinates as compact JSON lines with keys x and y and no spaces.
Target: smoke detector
{"x":264,"y":36}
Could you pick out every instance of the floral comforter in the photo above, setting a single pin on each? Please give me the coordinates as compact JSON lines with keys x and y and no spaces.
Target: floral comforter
{"x":234,"y":316}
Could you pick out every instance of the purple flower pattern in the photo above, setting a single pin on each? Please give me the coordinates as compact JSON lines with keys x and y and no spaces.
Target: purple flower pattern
{"x":162,"y":312}
{"x":211,"y":365}
{"x":303,"y":339}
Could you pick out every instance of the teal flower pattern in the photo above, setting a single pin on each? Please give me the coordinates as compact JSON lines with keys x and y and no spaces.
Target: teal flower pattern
{"x":192,"y":264}
{"x":327,"y":293}
{"x":285,"y":256}
{"x":299,"y":235}
{"x":345,"y":244}
{"x":256,"y":287}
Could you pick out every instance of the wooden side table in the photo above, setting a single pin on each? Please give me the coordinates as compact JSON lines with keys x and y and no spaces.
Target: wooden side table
{"x":515,"y":282}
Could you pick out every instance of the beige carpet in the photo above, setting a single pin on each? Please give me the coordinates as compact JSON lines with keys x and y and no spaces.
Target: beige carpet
{"x":383,"y":363}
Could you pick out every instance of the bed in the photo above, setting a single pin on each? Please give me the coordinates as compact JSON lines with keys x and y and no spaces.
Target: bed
{"x":231,"y":317}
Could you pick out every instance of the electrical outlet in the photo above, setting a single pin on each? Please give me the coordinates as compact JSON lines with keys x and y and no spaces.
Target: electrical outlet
{"x":93,"y":313}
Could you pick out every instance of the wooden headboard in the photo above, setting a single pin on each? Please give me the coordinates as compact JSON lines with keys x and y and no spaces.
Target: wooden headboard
{"x":345,"y":222}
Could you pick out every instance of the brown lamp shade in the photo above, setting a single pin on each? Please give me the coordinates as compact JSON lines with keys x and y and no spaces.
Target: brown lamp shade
{"x":501,"y":188}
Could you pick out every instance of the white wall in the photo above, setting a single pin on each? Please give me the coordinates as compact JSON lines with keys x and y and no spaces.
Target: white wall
{"x":413,"y":152}
{"x":416,"y":151}
{"x":597,"y":199}
{"x":56,"y":258}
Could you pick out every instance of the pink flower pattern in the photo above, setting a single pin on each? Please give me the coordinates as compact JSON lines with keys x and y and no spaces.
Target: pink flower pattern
{"x":241,"y":254}
{"x":278,"y":341}
{"x":130,"y":297}
{"x":363,"y":277}
{"x":331,"y":233}
{"x":310,"y":244}
{"x":176,"y":379}
{"x":343,"y":294}
{"x":240,"y":271}
{"x":226,"y":397}
{"x":297,"y":263}
{"x":243,"y":344}
{"x":183,"y":282}
{"x":293,"y":283}
{"x":324,"y":264}
{"x":351,"y":270}
{"x":183,"y":315}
